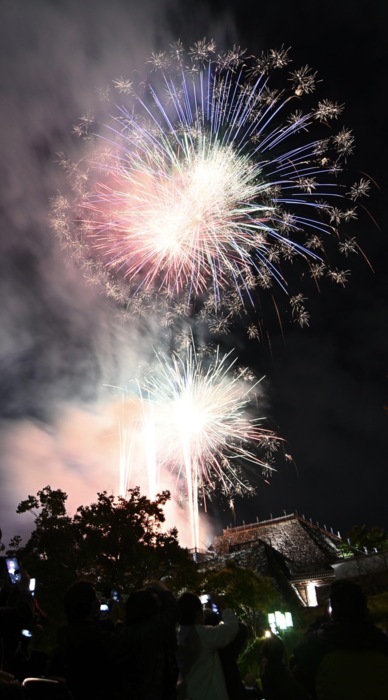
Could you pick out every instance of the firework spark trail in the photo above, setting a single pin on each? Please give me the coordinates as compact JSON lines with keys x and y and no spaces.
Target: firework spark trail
{"x":129,"y":424}
{"x":199,"y":192}
{"x":149,"y":443}
{"x":209,"y":182}
{"x":204,"y":430}
{"x":134,"y":429}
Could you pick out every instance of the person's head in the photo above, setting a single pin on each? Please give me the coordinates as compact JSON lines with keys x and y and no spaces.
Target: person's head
{"x":190,"y":610}
{"x":141,"y":605}
{"x":81,"y":602}
{"x":347,"y":602}
{"x":273,"y":649}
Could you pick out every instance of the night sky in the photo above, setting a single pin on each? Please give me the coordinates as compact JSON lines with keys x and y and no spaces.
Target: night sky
{"x":61,"y":341}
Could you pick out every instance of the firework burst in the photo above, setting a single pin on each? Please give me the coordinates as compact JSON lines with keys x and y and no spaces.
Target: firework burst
{"x":205,"y":426}
{"x":208,"y":183}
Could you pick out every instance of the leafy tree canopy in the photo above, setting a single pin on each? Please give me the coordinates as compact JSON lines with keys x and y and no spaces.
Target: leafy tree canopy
{"x":248,"y":593}
{"x":362,"y":538}
{"x":117,"y":542}
{"x":122,"y":540}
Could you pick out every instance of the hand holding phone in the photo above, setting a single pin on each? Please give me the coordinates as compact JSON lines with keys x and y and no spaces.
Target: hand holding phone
{"x":13,"y":569}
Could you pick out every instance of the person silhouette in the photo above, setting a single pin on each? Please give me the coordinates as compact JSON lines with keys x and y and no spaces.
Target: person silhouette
{"x":277,"y":681}
{"x":347,"y":656}
{"x":201,"y":674}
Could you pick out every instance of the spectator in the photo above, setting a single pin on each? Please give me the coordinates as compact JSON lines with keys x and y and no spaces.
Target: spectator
{"x":229,"y":656}
{"x":150,"y":643}
{"x":346,"y":657}
{"x":251,"y":688}
{"x":15,"y":616}
{"x":201,"y":675}
{"x":18,"y":613}
{"x":87,"y":653}
{"x":277,"y":680}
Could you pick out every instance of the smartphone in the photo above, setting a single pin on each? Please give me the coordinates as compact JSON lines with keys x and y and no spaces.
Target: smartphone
{"x":26,"y":633}
{"x":13,"y":569}
{"x":104,"y":607}
{"x":31,"y":585}
{"x":205,"y":599}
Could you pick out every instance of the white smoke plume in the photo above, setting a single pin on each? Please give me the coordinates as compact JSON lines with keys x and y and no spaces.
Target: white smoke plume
{"x":61,"y":342}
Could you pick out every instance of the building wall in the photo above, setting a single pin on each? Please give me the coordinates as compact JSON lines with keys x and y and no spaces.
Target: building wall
{"x":361,"y":566}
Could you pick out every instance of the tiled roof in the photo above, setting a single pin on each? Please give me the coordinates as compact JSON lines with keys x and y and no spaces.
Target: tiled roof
{"x":302,"y":546}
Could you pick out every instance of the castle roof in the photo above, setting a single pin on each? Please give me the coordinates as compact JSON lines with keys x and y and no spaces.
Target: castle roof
{"x":289,"y":543}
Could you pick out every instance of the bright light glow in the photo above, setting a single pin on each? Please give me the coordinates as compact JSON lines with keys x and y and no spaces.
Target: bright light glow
{"x":311,"y":592}
{"x":203,"y":427}
{"x":199,"y":423}
{"x":194,"y":195}
{"x":208,"y":182}
{"x":279,"y":621}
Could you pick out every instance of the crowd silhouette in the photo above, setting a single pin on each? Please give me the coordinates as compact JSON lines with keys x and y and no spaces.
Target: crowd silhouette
{"x":150,"y":645}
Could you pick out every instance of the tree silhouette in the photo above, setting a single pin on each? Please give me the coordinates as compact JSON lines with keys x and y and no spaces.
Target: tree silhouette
{"x":114,"y":542}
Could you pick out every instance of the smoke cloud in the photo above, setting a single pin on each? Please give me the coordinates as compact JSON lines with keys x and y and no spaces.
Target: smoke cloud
{"x":62,"y":343}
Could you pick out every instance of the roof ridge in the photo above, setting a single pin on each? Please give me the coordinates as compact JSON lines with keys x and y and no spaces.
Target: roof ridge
{"x":282,"y":518}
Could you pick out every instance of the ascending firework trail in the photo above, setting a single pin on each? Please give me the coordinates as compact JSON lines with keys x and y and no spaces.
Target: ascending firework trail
{"x":199,"y":423}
